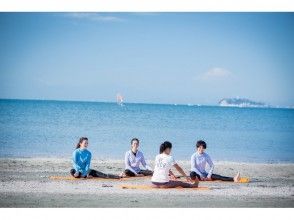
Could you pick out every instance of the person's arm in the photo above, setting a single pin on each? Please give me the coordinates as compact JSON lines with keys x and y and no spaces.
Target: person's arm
{"x":128,"y":164}
{"x":181,"y":171}
{"x":211,"y":166}
{"x":144,"y":164}
{"x":88,"y":162}
{"x":194,"y":166}
{"x":172,"y":175}
{"x":75,"y":161}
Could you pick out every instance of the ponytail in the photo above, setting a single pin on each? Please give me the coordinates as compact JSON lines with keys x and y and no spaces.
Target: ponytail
{"x":164,"y":146}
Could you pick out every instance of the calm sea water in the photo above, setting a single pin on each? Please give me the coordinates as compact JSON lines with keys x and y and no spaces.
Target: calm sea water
{"x":52,"y":128}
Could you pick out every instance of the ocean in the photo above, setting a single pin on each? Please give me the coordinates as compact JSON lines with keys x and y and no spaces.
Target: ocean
{"x":30,"y":128}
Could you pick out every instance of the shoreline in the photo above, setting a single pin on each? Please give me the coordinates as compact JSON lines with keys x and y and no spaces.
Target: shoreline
{"x":98,"y":160}
{"x":25,"y":182}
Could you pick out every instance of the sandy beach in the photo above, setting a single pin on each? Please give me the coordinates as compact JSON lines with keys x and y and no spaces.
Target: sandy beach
{"x":25,"y":182}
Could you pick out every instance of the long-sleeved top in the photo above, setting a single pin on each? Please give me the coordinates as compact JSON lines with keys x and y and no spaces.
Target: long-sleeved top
{"x":198,"y":164}
{"x":81,"y":159}
{"x":132,"y":161}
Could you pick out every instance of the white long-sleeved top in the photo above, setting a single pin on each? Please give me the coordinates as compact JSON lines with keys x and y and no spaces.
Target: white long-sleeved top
{"x":133,"y":162}
{"x":198,"y":164}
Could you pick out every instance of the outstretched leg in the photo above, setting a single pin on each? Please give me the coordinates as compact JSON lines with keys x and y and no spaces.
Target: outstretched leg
{"x":128,"y":173}
{"x":194,"y":176}
{"x":75,"y":173}
{"x":95,"y":173}
{"x":174,"y":184}
{"x":222,"y":178}
{"x":146,"y":172}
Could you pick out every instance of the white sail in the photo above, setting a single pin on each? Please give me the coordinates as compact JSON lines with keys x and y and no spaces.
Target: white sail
{"x":119,"y":99}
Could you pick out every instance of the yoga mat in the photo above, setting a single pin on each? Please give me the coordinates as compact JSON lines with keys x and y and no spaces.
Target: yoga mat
{"x":242,"y":180}
{"x":91,"y":178}
{"x":72,"y":178}
{"x":148,"y":187}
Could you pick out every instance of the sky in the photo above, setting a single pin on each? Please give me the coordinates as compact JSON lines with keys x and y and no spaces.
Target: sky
{"x":183,"y":58}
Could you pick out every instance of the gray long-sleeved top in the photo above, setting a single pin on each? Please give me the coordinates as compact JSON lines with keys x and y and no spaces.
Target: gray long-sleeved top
{"x":198,"y":164}
{"x":132,"y":162}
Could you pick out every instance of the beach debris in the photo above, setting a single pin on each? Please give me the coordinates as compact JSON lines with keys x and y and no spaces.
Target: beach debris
{"x":106,"y":185}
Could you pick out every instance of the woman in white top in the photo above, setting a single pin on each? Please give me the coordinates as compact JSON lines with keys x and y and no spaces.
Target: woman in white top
{"x":198,"y":164}
{"x":133,"y":159}
{"x":163,"y":164}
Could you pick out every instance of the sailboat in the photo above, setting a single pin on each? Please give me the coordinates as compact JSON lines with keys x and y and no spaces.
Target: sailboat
{"x":119,"y":99}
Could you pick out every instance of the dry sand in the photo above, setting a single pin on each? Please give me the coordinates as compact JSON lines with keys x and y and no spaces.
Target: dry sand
{"x":25,"y":183}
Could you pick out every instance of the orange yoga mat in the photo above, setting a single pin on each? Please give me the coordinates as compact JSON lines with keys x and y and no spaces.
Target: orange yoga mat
{"x":147,"y":187}
{"x":242,"y":180}
{"x":90,"y":178}
{"x":72,"y":178}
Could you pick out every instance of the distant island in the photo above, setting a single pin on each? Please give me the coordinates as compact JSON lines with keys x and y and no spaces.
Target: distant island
{"x":241,"y":102}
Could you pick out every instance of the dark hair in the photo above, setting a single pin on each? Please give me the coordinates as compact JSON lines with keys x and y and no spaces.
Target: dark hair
{"x":135,"y":139}
{"x":201,"y":143}
{"x":164,"y":146}
{"x":80,"y":141}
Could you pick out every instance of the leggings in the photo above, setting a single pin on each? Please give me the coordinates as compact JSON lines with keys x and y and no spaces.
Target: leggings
{"x":95,"y":173}
{"x":144,"y":172}
{"x":193,"y":176}
{"x":173,"y":184}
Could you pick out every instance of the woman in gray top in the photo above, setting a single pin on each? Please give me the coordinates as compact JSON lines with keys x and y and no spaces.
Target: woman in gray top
{"x":198,"y":165}
{"x":133,"y":159}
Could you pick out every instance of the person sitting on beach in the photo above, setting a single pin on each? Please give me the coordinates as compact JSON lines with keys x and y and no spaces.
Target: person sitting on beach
{"x":133,"y":159}
{"x":163,"y":164}
{"x":198,"y":164}
{"x":81,"y":159}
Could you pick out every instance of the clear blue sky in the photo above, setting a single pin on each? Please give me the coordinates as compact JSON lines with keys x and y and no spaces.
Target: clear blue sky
{"x":195,"y":58}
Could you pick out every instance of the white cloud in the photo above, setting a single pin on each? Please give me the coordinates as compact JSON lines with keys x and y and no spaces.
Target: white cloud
{"x":96,"y":17}
{"x":215,"y":73}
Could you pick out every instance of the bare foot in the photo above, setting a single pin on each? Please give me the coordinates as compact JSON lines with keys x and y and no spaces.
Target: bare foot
{"x":237,"y":178}
{"x":77,"y":174}
{"x":196,"y":183}
{"x":122,"y":175}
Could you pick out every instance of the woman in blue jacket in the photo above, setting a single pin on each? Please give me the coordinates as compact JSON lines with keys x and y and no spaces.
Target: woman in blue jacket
{"x":81,"y":159}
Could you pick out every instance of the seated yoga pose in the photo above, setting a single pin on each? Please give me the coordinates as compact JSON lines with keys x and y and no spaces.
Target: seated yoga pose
{"x":133,"y":159}
{"x":198,"y":164}
{"x":81,"y":159}
{"x":162,"y":171}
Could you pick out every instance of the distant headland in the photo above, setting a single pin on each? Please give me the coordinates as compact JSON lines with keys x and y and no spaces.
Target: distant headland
{"x":241,"y":102}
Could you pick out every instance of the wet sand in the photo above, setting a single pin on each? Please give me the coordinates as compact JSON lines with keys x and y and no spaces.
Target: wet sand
{"x":25,"y":182}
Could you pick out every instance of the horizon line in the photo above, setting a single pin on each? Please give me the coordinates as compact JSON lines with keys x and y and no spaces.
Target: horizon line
{"x":147,"y":103}
{"x":101,"y":101}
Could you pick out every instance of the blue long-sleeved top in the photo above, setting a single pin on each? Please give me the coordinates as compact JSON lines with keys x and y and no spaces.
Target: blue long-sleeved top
{"x":81,"y":159}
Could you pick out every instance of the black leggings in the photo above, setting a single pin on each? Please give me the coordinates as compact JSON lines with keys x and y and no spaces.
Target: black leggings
{"x":144,"y":172}
{"x":173,"y":184}
{"x":95,"y":173}
{"x":193,"y":176}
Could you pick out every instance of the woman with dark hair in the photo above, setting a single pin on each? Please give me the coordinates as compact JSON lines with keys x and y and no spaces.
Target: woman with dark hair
{"x":81,"y":159}
{"x":163,"y":164}
{"x":133,"y":159}
{"x":198,"y":164}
